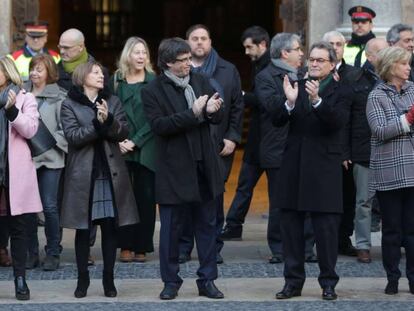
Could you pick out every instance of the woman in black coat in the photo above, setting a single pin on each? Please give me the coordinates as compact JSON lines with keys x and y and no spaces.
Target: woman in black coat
{"x":96,"y":189}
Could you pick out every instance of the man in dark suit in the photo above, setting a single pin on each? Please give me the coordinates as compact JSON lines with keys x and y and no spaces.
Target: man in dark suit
{"x":311,"y":175}
{"x":286,"y":58}
{"x":180,"y":106}
{"x":224,"y":78}
{"x":256,"y":44}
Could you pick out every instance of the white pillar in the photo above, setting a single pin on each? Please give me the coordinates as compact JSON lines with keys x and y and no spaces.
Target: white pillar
{"x":5,"y":26}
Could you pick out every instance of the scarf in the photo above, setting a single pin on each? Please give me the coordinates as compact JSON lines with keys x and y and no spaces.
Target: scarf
{"x":292,"y":72}
{"x":323,"y":83}
{"x":71,"y":65}
{"x":183,"y":83}
{"x":361,"y":40}
{"x":208,"y":68}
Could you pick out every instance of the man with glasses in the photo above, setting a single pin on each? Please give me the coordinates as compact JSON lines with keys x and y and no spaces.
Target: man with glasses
{"x":35,"y":42}
{"x":73,"y":52}
{"x":225,"y":79}
{"x":286,"y":58}
{"x":180,"y":106}
{"x":402,"y":35}
{"x":310,"y":180}
{"x":362,"y":25}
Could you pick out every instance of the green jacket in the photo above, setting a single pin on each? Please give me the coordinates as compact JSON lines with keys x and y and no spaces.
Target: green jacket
{"x":139,"y":129}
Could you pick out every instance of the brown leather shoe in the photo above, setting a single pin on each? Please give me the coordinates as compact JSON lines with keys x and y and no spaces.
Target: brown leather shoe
{"x":139,"y":257}
{"x":126,"y":256}
{"x":363,"y":256}
{"x":5,"y":260}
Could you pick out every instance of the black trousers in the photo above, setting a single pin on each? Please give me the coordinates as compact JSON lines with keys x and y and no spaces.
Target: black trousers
{"x":325,"y":227}
{"x":109,"y":245}
{"x":203,"y":218}
{"x":346,"y":227}
{"x":397,"y":211}
{"x":4,"y":232}
{"x":139,"y":237}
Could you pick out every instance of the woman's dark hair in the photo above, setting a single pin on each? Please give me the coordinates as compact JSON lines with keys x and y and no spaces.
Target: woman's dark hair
{"x":169,"y":49}
{"x":51,"y":67}
{"x":257,"y":34}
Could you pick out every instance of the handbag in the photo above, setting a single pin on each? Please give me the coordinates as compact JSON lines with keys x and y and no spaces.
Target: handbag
{"x":42,"y":141}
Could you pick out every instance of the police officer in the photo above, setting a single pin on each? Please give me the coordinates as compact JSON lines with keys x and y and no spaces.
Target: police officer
{"x":35,"y":41}
{"x":361,"y":18}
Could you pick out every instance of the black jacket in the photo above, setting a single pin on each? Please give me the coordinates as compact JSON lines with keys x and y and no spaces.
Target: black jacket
{"x":65,"y":78}
{"x":176,"y":130}
{"x":231,"y":125}
{"x":311,"y":172}
{"x":252,"y":147}
{"x":358,"y":132}
{"x":269,"y":91}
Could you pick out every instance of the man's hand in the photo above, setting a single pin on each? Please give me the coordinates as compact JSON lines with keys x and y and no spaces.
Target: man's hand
{"x":228,"y":148}
{"x":214,"y":104}
{"x":312,"y":88}
{"x":126,"y":146}
{"x":347,"y":164}
{"x":290,"y":92}
{"x":199,"y":104}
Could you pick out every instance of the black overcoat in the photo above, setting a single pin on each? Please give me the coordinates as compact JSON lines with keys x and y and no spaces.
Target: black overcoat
{"x":311,"y":172}
{"x":176,"y":176}
{"x":81,"y":134}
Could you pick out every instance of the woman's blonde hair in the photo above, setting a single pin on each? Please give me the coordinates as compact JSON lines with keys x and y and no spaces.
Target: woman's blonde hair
{"x":123,"y":63}
{"x":387,"y":58}
{"x":10,"y":71}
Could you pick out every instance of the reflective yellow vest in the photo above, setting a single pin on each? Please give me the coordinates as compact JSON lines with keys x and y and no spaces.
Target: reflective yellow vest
{"x":351,"y":51}
{"x":22,"y":60}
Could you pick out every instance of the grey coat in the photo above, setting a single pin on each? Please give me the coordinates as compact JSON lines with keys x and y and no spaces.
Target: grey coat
{"x":77,"y":121}
{"x":392,"y":149}
{"x":50,"y":102}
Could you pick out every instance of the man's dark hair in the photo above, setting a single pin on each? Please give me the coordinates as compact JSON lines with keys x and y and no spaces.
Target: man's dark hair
{"x":393,"y":35}
{"x":322,"y":45}
{"x":194,"y":27}
{"x":257,"y":34}
{"x":169,"y":49}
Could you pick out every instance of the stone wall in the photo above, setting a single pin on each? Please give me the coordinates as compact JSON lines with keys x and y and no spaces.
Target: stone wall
{"x":5,"y":24}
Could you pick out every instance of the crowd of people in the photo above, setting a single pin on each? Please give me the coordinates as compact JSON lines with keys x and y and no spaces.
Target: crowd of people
{"x":332,"y":131}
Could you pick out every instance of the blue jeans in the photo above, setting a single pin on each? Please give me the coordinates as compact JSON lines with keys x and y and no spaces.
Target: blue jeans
{"x":48,"y":180}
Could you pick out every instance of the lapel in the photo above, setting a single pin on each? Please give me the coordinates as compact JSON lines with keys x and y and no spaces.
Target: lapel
{"x":329,"y":90}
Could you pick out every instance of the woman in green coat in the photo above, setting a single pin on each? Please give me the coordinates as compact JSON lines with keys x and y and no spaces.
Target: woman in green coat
{"x":134,"y":72}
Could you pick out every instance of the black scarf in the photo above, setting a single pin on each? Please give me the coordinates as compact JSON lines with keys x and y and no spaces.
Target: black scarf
{"x":361,"y":40}
{"x":76,"y":93}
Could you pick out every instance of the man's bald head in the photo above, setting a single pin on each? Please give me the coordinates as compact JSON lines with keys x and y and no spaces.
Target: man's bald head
{"x":372,"y":48}
{"x":71,"y":44}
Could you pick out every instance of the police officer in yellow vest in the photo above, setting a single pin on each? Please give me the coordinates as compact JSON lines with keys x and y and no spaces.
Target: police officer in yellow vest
{"x":361,"y":17}
{"x":35,"y":41}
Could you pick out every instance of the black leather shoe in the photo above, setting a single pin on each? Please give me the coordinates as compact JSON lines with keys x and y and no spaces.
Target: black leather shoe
{"x":209,"y":289}
{"x":328,"y":293}
{"x":83,"y":284}
{"x":391,"y":288}
{"x":289,"y":291}
{"x":231,"y":233}
{"x":275,"y":259}
{"x":219,"y":259}
{"x":21,"y":289}
{"x":183,"y":258}
{"x":346,"y":248}
{"x":311,"y":258}
{"x":169,"y":292}
{"x":108,"y":284}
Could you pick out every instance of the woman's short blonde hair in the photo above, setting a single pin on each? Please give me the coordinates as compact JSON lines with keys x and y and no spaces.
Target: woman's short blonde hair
{"x":80,"y":73}
{"x":123,"y":63}
{"x":387,"y":58}
{"x":10,"y":71}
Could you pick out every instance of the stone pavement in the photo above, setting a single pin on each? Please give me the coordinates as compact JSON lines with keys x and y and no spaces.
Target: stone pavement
{"x":247,"y":280}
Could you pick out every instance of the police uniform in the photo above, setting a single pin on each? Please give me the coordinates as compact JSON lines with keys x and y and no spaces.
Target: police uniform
{"x":354,"y":50}
{"x":23,"y":56}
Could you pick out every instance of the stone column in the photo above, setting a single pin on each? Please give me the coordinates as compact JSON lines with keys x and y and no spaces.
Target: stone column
{"x":5,"y":26}
{"x":388,"y":13}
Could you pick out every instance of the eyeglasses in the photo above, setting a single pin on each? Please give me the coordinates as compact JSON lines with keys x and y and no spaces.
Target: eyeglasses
{"x":64,"y":47}
{"x":296,"y":49}
{"x":319,"y":61}
{"x":184,"y":60}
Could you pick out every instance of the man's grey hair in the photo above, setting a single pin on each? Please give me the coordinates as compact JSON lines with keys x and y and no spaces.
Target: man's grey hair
{"x":282,"y":41}
{"x":393,"y":35}
{"x":328,"y":35}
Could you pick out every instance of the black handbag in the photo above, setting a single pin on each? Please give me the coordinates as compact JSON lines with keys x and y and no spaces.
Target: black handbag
{"x":43,"y":139}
